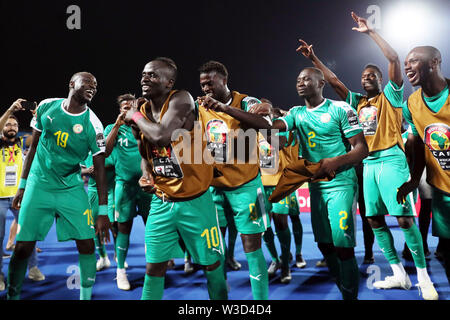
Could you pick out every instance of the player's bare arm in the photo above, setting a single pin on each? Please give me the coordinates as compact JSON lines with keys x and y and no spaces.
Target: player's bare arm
{"x":180,"y":114}
{"x":249,"y":120}
{"x":329,"y":166}
{"x":394,"y":69}
{"x":340,"y":88}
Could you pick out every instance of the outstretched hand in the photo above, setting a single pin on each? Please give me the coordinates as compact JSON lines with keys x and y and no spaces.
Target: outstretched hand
{"x":306,"y":49}
{"x":17,"y":106}
{"x":363,"y":27}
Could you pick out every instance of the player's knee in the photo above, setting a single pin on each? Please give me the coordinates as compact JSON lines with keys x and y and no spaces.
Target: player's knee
{"x":24,"y":249}
{"x":156,"y":269}
{"x":345,"y":253}
{"x":326,"y":248}
{"x":280,"y":221}
{"x":405,"y":222}
{"x":212,"y":267}
{"x":251,"y":242}
{"x":86,"y":246}
{"x":376,"y":222}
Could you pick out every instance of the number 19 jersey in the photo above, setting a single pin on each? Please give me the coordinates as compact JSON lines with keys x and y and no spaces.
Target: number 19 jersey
{"x":65,"y":142}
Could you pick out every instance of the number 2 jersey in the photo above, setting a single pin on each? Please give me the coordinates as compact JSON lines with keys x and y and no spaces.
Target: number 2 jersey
{"x":66,"y":140}
{"x":323,"y":132}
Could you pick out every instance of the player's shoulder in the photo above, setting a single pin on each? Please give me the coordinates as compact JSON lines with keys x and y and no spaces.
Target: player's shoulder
{"x":340,"y":105}
{"x":296,"y":109}
{"x":181,"y":96}
{"x":95,"y":122}
{"x":49,"y":103}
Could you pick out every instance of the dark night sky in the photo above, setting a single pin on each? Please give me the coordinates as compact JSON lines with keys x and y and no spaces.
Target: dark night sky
{"x":254,"y":39}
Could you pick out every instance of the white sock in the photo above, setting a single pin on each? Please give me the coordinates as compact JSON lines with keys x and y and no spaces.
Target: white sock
{"x":422,"y":275}
{"x":399,"y":271}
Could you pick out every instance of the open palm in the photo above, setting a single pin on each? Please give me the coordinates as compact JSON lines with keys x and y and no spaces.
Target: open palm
{"x":362,"y":23}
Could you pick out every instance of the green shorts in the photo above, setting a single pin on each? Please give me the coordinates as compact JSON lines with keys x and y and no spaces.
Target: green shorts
{"x":194,"y":220}
{"x":41,"y":207}
{"x":333,"y":217}
{"x":440,"y":208}
{"x":246,"y":204}
{"x":380,"y":183}
{"x":93,"y":202}
{"x":130,"y":201}
{"x":288,"y":205}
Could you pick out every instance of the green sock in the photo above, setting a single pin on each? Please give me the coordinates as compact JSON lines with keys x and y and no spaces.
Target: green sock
{"x":285,"y":243}
{"x":349,"y":279}
{"x":100,"y":246}
{"x":386,"y":243}
{"x":153,"y":288}
{"x":334,"y":267}
{"x":88,"y":270}
{"x":16,"y":274}
{"x":217,"y":285}
{"x":297,"y":230}
{"x":259,"y":278}
{"x":413,"y":239}
{"x":269,"y":240}
{"x":123,"y":242}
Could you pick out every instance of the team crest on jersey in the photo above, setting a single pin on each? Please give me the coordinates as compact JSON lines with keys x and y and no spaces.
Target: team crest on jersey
{"x":325,"y":118}
{"x":437,"y":138}
{"x":368,"y":119}
{"x":78,"y":128}
{"x":217,"y":136}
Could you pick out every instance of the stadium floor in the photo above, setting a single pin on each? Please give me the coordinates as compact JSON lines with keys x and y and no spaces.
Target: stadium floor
{"x":59,"y":261}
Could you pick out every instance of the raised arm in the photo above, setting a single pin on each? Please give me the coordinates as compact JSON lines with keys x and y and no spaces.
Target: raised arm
{"x":330,"y":77}
{"x":16,"y":106}
{"x":179,"y":115}
{"x":394,"y":69}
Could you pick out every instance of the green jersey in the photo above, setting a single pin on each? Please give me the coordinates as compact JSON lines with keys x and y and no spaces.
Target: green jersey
{"x":127,"y":158}
{"x":110,"y":174}
{"x":323,"y":132}
{"x":66,"y":140}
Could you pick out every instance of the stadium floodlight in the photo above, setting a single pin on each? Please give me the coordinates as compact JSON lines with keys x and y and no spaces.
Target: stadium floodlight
{"x":409,"y":23}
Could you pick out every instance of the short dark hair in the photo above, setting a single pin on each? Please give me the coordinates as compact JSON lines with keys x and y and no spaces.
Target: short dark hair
{"x":13,"y":117}
{"x":374,"y":66}
{"x":125,"y":97}
{"x":214,"y":66}
{"x":170,"y":64}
